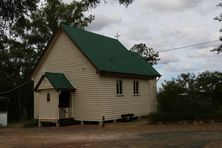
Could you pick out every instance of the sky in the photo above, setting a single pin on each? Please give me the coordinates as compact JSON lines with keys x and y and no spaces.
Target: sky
{"x":165,"y":24}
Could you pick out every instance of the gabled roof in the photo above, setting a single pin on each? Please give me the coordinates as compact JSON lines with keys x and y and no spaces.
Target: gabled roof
{"x":58,"y":81}
{"x":109,"y":55}
{"x":106,"y":54}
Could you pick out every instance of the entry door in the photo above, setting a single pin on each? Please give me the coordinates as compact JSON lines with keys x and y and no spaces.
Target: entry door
{"x":64,"y":103}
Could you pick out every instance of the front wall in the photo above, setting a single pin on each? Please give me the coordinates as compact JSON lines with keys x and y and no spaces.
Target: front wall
{"x":45,"y":84}
{"x":64,"y":57}
{"x":48,"y":110}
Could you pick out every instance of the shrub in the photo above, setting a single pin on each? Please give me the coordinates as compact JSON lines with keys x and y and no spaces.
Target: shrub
{"x":190,"y":97}
{"x":30,"y":123}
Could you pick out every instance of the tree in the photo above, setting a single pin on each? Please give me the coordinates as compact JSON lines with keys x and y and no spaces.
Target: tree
{"x":209,"y":85}
{"x":14,"y":12}
{"x":191,"y":97}
{"x":219,"y":18}
{"x":25,"y":28}
{"x":96,"y":2}
{"x":27,"y":33}
{"x":45,"y":21}
{"x":147,"y":53}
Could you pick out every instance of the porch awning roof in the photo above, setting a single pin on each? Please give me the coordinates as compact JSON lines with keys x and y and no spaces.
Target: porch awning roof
{"x":58,"y":81}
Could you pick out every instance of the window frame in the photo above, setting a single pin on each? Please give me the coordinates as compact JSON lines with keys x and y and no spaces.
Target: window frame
{"x":119,"y":87}
{"x":136,"y":91}
{"x":48,"y":98}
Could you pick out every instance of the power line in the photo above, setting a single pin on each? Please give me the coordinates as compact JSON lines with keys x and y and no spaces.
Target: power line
{"x":166,"y":50}
{"x":1,"y":93}
{"x":188,"y":46}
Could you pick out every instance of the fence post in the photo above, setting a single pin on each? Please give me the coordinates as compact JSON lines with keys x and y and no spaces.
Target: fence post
{"x":19,"y":102}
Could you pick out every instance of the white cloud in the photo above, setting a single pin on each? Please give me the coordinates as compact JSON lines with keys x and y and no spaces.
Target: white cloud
{"x":165,"y":24}
{"x":103,"y":20}
{"x":202,"y":53}
{"x":181,"y":68}
{"x":169,"y":5}
{"x":166,"y":58}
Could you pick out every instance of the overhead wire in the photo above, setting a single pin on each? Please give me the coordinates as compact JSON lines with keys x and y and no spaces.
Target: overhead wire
{"x":188,"y":46}
{"x":165,"y":50}
{"x":5,"y":92}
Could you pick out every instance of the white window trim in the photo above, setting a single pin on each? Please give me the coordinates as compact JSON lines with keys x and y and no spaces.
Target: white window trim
{"x":134,"y":87}
{"x":120,"y":90}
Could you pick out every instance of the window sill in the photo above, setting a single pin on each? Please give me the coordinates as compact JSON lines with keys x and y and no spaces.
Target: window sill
{"x":119,"y":95}
{"x":136,"y":94}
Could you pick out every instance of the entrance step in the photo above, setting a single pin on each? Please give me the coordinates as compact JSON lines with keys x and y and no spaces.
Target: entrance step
{"x":67,"y":121}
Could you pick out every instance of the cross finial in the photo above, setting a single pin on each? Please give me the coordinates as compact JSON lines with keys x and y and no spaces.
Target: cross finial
{"x":59,"y":21}
{"x":117,"y":36}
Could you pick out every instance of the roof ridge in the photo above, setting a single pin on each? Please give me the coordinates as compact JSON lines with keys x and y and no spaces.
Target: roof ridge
{"x":83,"y":30}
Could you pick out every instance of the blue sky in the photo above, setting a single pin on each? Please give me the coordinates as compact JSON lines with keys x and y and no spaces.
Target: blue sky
{"x":164,"y":24}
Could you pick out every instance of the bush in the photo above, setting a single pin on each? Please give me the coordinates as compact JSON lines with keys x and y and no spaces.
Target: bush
{"x":190,"y":97}
{"x":30,"y":123}
{"x":217,"y":114}
{"x":178,"y":108}
{"x":160,"y":116}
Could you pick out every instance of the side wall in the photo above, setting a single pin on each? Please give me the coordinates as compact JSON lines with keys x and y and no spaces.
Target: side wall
{"x":112,"y":106}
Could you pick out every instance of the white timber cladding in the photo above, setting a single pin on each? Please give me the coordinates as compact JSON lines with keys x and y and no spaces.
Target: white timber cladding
{"x":64,"y":57}
{"x":48,"y":110}
{"x":45,"y":84}
{"x":112,"y":105}
{"x":95,"y":95}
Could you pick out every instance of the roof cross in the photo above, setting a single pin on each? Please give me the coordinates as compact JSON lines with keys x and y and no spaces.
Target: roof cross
{"x":60,"y":21}
{"x":117,"y":36}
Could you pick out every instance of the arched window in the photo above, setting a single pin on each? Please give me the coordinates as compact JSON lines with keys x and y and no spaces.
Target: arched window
{"x":48,"y":97}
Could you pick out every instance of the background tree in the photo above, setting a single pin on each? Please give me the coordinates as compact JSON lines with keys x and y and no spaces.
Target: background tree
{"x":25,"y":28}
{"x":219,"y":18}
{"x":147,"y":53}
{"x":12,"y":14}
{"x":26,"y":32}
{"x":96,"y":2}
{"x":191,"y":97}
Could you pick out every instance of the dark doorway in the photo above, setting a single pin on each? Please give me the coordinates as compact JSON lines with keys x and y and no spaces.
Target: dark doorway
{"x":64,"y":98}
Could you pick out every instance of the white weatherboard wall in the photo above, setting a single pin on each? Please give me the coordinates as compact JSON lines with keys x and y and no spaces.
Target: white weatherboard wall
{"x":65,"y":57}
{"x":113,"y":106}
{"x":48,"y":110}
{"x":3,"y":118}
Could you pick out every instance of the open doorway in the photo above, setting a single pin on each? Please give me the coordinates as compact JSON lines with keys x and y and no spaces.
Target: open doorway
{"x":64,"y":104}
{"x":64,"y":99}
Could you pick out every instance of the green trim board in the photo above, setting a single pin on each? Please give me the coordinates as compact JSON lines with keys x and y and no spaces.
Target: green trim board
{"x":58,"y":81}
{"x":108,"y":54}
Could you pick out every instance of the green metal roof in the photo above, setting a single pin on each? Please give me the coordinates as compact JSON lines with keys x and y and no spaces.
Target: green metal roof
{"x":59,"y":81}
{"x":108,"y":54}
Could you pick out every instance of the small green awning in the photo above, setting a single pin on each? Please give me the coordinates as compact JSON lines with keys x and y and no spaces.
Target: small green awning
{"x":58,"y":81}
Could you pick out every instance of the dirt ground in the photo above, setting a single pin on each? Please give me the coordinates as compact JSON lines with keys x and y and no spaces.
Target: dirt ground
{"x":132,"y":135}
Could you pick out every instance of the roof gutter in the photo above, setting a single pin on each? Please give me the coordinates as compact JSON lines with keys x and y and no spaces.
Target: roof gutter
{"x":118,"y":74}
